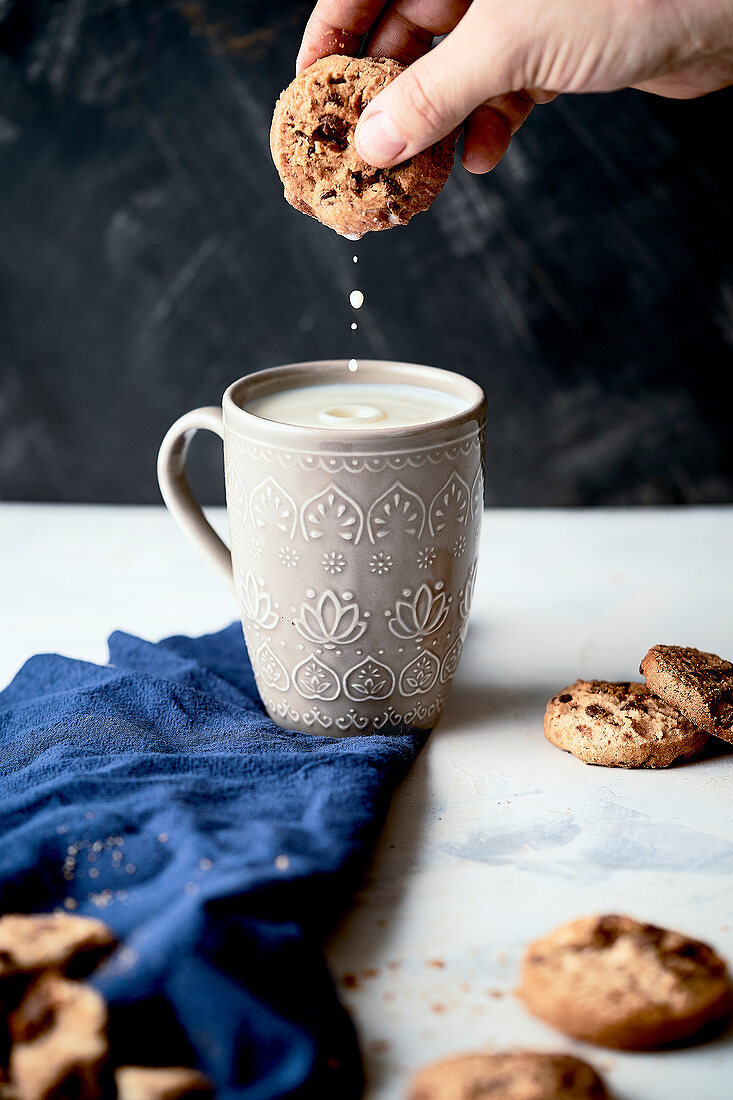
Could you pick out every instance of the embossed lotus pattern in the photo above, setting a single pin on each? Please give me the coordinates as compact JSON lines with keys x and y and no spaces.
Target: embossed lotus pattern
{"x":424,"y":613}
{"x":330,"y":622}
{"x":256,"y":602}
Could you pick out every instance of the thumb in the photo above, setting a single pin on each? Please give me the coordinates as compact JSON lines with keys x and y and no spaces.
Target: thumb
{"x":425,"y":102}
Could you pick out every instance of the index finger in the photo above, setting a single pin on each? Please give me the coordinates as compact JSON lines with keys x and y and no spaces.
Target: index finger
{"x":336,"y":26}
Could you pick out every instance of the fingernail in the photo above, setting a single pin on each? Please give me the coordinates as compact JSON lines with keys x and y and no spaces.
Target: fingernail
{"x":378,"y":139}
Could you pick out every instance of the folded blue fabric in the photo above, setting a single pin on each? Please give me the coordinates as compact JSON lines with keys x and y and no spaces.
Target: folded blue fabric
{"x":155,"y":792}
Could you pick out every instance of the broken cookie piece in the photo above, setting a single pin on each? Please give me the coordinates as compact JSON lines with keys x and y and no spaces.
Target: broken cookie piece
{"x":312,"y":143}
{"x":148,"y":1083}
{"x":69,"y":944}
{"x":698,"y":684}
{"x":59,"y":1042}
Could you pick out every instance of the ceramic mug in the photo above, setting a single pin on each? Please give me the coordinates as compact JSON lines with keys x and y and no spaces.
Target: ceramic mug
{"x":353,"y":554}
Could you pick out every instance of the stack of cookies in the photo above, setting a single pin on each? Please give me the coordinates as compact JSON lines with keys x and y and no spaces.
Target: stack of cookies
{"x":53,"y":1024}
{"x":688,"y":696}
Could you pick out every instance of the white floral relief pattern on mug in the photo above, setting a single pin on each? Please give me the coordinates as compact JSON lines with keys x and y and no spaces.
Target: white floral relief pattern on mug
{"x":370,"y":679}
{"x":348,"y":462}
{"x":280,"y":707}
{"x":256,"y":602}
{"x":333,"y":562}
{"x":422,"y":614}
{"x":236,"y":498}
{"x":314,"y":680}
{"x":374,"y":644}
{"x":450,"y":506}
{"x":314,"y":715}
{"x":332,"y":513}
{"x":271,"y":506}
{"x":352,"y":719}
{"x":330,"y":623}
{"x":426,"y":557}
{"x":288,"y":557}
{"x":420,"y":675}
{"x":466,"y":593}
{"x":396,"y":513}
{"x":381,"y":563}
{"x":271,"y":669}
{"x":477,"y":493}
{"x":450,"y":661}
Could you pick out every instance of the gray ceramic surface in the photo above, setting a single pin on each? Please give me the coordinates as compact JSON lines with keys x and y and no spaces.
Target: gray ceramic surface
{"x":353,"y":553}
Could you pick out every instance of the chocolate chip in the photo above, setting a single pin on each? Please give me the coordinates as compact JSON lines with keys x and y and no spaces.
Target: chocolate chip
{"x":565,"y":698}
{"x":333,"y":130}
{"x":607,"y":930}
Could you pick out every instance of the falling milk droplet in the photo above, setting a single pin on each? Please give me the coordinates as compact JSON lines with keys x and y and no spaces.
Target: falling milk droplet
{"x":355,"y":259}
{"x":354,"y":326}
{"x":353,"y":365}
{"x":356,"y":298}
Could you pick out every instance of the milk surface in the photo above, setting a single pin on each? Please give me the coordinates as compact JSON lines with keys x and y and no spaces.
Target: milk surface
{"x":356,"y":405}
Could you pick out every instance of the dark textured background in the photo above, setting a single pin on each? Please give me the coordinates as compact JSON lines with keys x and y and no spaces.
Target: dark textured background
{"x":147,"y":258}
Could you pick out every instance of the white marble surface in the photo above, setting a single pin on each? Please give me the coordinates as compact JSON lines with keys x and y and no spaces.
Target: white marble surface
{"x":495,"y":836}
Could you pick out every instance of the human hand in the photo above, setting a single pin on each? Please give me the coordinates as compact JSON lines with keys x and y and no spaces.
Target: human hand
{"x":501,"y":57}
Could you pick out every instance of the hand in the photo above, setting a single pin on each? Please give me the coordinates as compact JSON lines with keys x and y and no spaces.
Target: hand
{"x":500,"y":57}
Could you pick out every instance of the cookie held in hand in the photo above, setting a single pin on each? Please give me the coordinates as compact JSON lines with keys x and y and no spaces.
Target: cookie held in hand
{"x":614,"y":981}
{"x":620,"y":725}
{"x":312,"y":143}
{"x":699,"y":685}
{"x":515,"y":1075}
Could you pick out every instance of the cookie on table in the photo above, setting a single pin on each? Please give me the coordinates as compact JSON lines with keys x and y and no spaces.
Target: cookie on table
{"x":620,"y":725}
{"x":146,"y":1083}
{"x":515,"y":1075}
{"x":312,"y":143}
{"x":614,"y":981}
{"x":699,"y":685}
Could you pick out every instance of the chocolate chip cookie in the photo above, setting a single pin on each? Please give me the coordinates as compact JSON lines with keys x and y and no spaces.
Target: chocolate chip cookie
{"x":699,"y":685}
{"x":312,"y":143}
{"x":516,"y":1075}
{"x":614,"y":981}
{"x":620,"y":725}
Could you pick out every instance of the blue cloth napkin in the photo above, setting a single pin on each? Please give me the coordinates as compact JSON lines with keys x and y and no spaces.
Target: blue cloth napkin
{"x":155,"y":793}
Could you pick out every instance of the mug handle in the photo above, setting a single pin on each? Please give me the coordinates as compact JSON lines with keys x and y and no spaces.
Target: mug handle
{"x":176,"y":490}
